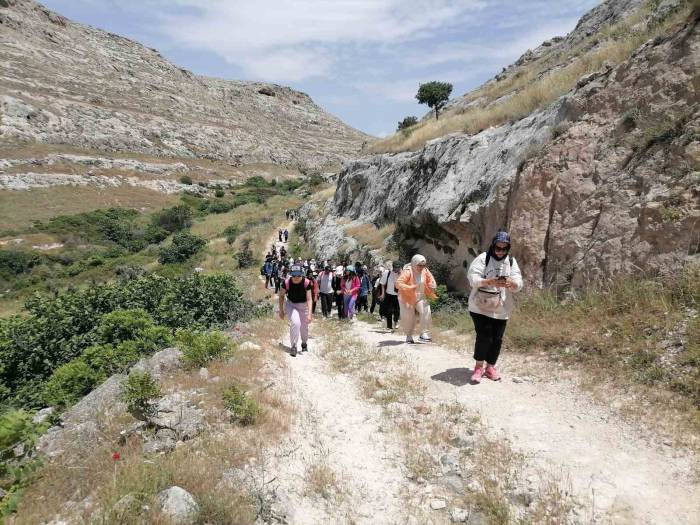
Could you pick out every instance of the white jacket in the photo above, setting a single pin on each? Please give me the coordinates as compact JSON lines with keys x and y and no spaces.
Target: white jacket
{"x":477,"y":274}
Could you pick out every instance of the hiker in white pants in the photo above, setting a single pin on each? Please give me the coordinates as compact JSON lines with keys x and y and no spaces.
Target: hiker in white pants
{"x":416,"y":286}
{"x":297,"y":290}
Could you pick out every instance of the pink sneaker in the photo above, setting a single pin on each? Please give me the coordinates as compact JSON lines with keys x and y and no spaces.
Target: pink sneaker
{"x":492,"y":373}
{"x":477,"y":373}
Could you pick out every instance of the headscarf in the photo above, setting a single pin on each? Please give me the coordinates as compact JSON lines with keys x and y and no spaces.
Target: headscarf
{"x":416,"y":260}
{"x":501,"y":236}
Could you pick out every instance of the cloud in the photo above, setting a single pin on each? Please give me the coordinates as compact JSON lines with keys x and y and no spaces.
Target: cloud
{"x":298,"y":39}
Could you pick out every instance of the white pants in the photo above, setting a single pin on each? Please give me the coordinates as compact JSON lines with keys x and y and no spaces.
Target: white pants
{"x":412,"y":315}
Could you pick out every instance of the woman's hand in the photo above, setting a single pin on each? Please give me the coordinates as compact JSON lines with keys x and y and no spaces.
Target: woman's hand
{"x":509,"y":284}
{"x":309,"y":318}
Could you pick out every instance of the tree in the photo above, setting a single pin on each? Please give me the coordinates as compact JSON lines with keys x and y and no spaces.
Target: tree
{"x":435,"y":94}
{"x":407,"y":122}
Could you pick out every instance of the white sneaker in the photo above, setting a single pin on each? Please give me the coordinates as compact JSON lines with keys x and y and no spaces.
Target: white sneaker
{"x":425,"y":338}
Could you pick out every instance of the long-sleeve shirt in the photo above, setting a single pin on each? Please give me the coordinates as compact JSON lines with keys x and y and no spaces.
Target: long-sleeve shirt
{"x":479,"y":272}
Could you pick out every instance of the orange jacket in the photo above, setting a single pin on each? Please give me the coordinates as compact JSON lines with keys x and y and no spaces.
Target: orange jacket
{"x":406,"y":285}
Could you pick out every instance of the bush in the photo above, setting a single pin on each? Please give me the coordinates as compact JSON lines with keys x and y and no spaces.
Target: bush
{"x":198,"y":348}
{"x":123,"y":325}
{"x":406,"y":123}
{"x":69,"y":383}
{"x":57,"y":329}
{"x":245,"y":256}
{"x":15,"y":262}
{"x":106,"y":360}
{"x":138,"y":391}
{"x":244,"y":409}
{"x":219,"y":193}
{"x":155,"y":234}
{"x":186,"y":179}
{"x":173,"y":219}
{"x":184,"y":246}
{"x":256,"y":181}
{"x":231,"y":233}
{"x":219,"y":206}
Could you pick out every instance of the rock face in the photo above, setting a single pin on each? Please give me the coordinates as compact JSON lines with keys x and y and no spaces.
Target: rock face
{"x":603,"y":181}
{"x":178,"y":505}
{"x":66,"y":83}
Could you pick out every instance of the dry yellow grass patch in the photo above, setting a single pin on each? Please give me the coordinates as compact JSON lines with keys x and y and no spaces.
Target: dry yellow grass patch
{"x":529,"y":89}
{"x":369,"y":235}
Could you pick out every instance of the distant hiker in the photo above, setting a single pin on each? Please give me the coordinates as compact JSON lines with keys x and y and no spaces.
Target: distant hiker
{"x":337,"y":291}
{"x":283,"y":252}
{"x":416,"y":285}
{"x":286,"y":235}
{"x":494,"y":277}
{"x":279,"y":276}
{"x":279,"y":234}
{"x":314,"y":289}
{"x":325,"y":286}
{"x":350,"y":289}
{"x":365,"y":287}
{"x":298,"y":291}
{"x":376,"y":288}
{"x":388,"y":296}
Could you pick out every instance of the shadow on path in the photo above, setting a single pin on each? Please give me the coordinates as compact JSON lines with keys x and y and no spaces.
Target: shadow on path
{"x":384,"y":343}
{"x":454,"y":376}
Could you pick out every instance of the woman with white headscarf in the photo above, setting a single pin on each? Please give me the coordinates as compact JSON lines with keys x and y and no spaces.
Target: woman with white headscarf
{"x":416,"y":285}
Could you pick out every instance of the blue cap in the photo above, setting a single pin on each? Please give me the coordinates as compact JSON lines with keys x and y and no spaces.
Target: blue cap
{"x":350,"y":268}
{"x":296,"y":271}
{"x":501,"y":236}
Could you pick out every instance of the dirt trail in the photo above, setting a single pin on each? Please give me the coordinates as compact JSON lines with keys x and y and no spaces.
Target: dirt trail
{"x":560,"y":429}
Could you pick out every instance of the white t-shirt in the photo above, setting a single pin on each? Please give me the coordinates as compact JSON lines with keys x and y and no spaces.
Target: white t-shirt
{"x":388,"y":280}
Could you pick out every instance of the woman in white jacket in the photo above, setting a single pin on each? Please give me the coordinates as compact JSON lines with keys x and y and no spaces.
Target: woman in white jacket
{"x":494,"y":277}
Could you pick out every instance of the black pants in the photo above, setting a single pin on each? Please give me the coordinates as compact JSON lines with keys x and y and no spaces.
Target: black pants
{"x":489,"y":337}
{"x":278,"y":281}
{"x":362,"y":303}
{"x":341,"y":306}
{"x":268,"y":281}
{"x":374,"y":303}
{"x":326,"y":304}
{"x":391,"y":310}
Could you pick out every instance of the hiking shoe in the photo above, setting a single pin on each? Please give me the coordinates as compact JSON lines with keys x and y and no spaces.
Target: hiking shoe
{"x":304,"y":347}
{"x":409,"y":340}
{"x":492,"y":373}
{"x":477,"y":374}
{"x":293,"y":353}
{"x":425,"y":338}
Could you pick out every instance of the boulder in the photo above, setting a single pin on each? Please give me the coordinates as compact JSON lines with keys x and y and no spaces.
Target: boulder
{"x":178,"y":505}
{"x":161,"y":363}
{"x":176,"y":412}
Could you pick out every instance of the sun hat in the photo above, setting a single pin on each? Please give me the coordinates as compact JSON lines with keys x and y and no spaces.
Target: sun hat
{"x":350,"y":268}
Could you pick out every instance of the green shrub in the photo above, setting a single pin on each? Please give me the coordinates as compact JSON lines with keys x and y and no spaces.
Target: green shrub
{"x":245,"y":256}
{"x":184,"y":246}
{"x":155,"y":234}
{"x":244,"y":409}
{"x":123,"y":325}
{"x":173,"y":219}
{"x":219,"y":206}
{"x":256,"y":181}
{"x":219,"y":193}
{"x":69,"y":383}
{"x":138,"y":392}
{"x":198,"y":348}
{"x":106,"y":360}
{"x":186,"y":179}
{"x":406,"y":123}
{"x":15,"y":262}
{"x":231,"y":233}
{"x":15,"y":427}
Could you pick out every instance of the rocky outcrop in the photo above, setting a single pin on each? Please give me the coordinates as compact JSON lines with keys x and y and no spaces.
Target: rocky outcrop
{"x":603,"y":181}
{"x":66,"y":83}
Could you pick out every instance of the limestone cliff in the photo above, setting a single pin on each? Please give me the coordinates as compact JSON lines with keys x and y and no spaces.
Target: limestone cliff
{"x":602,"y":181}
{"x":67,"y":83}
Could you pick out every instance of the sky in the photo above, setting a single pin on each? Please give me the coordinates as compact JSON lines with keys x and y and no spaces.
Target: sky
{"x":361,"y":60}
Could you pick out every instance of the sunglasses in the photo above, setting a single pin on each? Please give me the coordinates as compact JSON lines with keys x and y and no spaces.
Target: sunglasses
{"x":498,"y":248}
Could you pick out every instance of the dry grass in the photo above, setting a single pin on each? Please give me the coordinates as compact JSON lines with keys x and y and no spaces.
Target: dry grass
{"x":198,"y":466}
{"x":530,"y":89}
{"x":368,"y":235}
{"x":322,"y":480}
{"x":19,"y":209}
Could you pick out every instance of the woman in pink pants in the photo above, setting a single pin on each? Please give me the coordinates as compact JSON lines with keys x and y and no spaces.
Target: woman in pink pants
{"x":297,"y":290}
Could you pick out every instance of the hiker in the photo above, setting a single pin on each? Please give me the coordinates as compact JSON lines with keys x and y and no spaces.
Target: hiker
{"x":376,"y":288}
{"x":350,"y":289}
{"x":494,"y":277}
{"x":279,"y":276}
{"x":314,"y":289}
{"x":283,"y":252}
{"x":365,"y":286}
{"x":298,"y":291}
{"x":416,"y":285}
{"x":268,"y":272}
{"x":279,"y":234}
{"x":286,"y":235}
{"x":337,"y":279}
{"x":325,"y":287}
{"x":388,"y":296}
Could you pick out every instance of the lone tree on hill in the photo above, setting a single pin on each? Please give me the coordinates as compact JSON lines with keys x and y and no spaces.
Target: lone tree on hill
{"x":435,"y":94}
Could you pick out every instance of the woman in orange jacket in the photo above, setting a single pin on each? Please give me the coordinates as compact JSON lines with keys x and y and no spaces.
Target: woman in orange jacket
{"x":416,"y":285}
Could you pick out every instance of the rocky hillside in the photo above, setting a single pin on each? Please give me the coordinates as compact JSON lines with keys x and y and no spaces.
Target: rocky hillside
{"x":71,"y":84}
{"x":602,"y":181}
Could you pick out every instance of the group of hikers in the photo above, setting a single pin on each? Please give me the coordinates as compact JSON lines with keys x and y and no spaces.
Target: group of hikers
{"x":403,"y":293}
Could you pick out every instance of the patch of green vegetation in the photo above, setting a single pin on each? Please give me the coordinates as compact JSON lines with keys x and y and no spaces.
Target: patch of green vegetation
{"x":198,"y":348}
{"x":184,"y":246}
{"x":244,"y":409}
{"x":139,"y":390}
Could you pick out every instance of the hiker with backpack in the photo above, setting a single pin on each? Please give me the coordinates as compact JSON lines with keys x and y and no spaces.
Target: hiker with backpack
{"x":325,"y":286}
{"x":365,"y":287}
{"x":416,"y":286}
{"x":267,"y":267}
{"x":388,"y":296}
{"x":494,"y":277}
{"x":298,"y":291}
{"x":337,"y":291}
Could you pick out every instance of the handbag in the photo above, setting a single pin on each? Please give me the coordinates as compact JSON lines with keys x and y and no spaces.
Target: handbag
{"x":488,"y":301}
